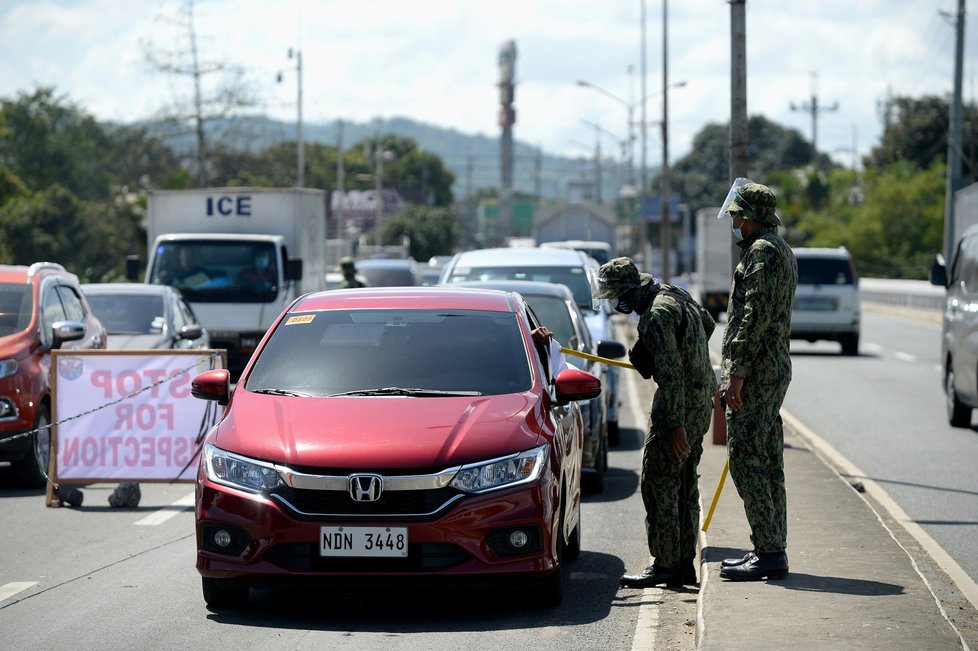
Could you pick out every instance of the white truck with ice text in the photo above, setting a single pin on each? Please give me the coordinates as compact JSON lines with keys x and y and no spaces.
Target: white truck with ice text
{"x":239,"y":256}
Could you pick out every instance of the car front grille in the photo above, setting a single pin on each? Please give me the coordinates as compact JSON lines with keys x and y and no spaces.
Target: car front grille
{"x":422,"y":557}
{"x":312,"y":503}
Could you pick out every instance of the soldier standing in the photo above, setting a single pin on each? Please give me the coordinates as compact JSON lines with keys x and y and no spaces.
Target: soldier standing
{"x":673,"y":331}
{"x":349,"y":269}
{"x":755,"y":377}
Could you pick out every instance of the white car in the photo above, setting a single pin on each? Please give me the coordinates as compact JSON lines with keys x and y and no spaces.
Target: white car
{"x":554,"y":265}
{"x":827,"y":298}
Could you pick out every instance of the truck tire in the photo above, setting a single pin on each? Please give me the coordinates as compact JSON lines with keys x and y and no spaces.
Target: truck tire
{"x":958,"y":413}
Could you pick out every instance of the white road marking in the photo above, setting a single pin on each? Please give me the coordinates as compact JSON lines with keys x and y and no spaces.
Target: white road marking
{"x":185,"y":503}
{"x":871,"y":348}
{"x":905,"y":357}
{"x":9,"y":590}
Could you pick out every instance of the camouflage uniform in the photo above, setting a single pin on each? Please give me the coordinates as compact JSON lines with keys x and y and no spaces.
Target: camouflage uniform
{"x":680,"y":366}
{"x":755,"y":347}
{"x":349,"y":269}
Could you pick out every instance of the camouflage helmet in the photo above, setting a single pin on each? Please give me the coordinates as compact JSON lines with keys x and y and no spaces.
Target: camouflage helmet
{"x":347,"y":263}
{"x":617,"y":276}
{"x":757,"y":202}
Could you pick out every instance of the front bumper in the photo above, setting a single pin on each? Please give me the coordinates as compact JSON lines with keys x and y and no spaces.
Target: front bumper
{"x":276,"y":543}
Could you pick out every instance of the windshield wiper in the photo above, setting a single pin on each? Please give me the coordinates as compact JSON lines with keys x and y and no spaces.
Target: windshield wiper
{"x":282,"y":392}
{"x":404,"y":391}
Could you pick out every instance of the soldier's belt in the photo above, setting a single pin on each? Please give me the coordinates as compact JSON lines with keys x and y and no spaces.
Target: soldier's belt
{"x":595,"y":358}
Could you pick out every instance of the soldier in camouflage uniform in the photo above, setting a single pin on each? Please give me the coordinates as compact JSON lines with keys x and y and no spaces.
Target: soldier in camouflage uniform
{"x":671,"y":349}
{"x":349,"y":269}
{"x":755,"y":377}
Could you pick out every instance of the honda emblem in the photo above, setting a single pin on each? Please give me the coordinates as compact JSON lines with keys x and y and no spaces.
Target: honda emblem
{"x":366,"y":488}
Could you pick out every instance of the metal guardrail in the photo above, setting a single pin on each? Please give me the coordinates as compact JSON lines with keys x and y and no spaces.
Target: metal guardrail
{"x":918,"y":294}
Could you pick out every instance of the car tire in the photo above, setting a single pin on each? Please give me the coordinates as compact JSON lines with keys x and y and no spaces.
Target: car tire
{"x":595,"y":480}
{"x":614,"y":437}
{"x":573,"y":550}
{"x":958,"y":413}
{"x":224,"y":593}
{"x":31,"y":471}
{"x":850,"y":344}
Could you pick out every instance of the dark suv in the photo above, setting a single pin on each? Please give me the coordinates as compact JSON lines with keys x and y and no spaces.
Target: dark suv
{"x":41,"y":308}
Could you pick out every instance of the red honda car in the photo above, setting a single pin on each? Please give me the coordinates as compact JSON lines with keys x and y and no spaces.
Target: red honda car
{"x":392,"y":432}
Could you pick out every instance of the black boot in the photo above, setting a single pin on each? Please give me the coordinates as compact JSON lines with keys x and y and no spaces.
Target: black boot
{"x":731,"y":562}
{"x":653,"y":576}
{"x":770,"y":565}
{"x":70,"y":496}
{"x":688,"y":571}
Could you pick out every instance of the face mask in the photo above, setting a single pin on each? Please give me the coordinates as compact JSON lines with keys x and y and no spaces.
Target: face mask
{"x":625,"y":303}
{"x":736,"y":233}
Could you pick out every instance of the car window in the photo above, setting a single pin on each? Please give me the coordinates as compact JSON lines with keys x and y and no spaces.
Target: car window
{"x":16,"y":307}
{"x":51,"y":311}
{"x":552,"y":312}
{"x":330,"y":352}
{"x":969,"y":263}
{"x":74,"y":309}
{"x":378,"y":277}
{"x":574,"y":278}
{"x":128,"y":313}
{"x":824,"y":271}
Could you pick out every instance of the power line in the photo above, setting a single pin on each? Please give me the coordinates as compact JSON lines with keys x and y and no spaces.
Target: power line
{"x":812,"y":108}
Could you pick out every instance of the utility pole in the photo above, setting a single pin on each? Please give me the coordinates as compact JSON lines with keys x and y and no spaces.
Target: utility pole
{"x":507,"y":117}
{"x":666,"y":226}
{"x":644,"y":180}
{"x":340,"y":183}
{"x":954,"y":178}
{"x":738,"y":102}
{"x":814,"y":109}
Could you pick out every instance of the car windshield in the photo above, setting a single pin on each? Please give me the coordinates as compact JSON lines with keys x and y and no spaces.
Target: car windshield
{"x":16,"y":307}
{"x":388,"y":276}
{"x":823,"y":271}
{"x":574,"y":278}
{"x":394,"y":352}
{"x":218,"y":272}
{"x":128,"y":314}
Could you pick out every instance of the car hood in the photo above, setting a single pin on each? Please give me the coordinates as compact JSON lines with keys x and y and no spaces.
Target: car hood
{"x":381,"y":432}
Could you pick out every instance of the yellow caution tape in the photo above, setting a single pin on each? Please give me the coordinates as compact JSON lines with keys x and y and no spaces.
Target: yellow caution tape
{"x":716,"y":498}
{"x":595,"y":358}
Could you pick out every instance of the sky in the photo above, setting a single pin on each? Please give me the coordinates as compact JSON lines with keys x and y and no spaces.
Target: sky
{"x":435,"y":61}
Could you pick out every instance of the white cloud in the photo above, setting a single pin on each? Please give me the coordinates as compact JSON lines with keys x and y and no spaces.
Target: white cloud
{"x":436,"y":61}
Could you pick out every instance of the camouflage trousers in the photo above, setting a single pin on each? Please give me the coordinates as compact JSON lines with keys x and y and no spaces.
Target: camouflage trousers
{"x":755,"y":450}
{"x":670,"y":491}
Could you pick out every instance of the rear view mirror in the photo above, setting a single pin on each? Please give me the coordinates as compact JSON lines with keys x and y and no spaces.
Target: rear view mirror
{"x":132,"y":267}
{"x":293,"y":269}
{"x":938,"y":271}
{"x":212,"y":385}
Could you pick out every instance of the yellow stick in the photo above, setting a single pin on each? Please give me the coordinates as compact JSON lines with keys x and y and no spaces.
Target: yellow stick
{"x":716,"y":498}
{"x":595,"y":358}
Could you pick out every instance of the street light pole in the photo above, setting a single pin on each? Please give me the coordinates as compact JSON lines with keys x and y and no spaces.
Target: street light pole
{"x":666,"y":213}
{"x":644,"y":189}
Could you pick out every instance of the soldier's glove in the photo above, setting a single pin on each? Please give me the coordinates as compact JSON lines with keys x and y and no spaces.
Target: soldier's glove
{"x":641,"y":359}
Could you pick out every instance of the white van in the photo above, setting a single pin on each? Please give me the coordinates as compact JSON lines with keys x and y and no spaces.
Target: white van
{"x":827,"y":298}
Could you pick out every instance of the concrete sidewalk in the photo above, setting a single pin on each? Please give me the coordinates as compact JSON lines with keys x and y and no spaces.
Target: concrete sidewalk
{"x":851,"y":584}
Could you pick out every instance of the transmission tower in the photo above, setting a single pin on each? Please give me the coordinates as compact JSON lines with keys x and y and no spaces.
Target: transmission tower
{"x":813,"y":109}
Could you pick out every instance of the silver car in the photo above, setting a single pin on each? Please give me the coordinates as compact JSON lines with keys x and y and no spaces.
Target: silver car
{"x":142,"y":316}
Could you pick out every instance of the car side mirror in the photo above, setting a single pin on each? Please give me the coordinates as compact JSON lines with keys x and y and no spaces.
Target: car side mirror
{"x":572,"y":385}
{"x":293,"y":269}
{"x":190,"y":332}
{"x":62,"y":331}
{"x":938,"y":271}
{"x":611,"y":349}
{"x":212,"y":385}
{"x":132,"y":267}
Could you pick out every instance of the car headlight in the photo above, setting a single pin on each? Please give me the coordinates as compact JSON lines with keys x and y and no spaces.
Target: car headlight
{"x":8,"y":367}
{"x":510,"y":471}
{"x":240,"y":472}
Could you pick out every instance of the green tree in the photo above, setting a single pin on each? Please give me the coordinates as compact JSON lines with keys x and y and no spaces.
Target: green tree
{"x":432,"y":230}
